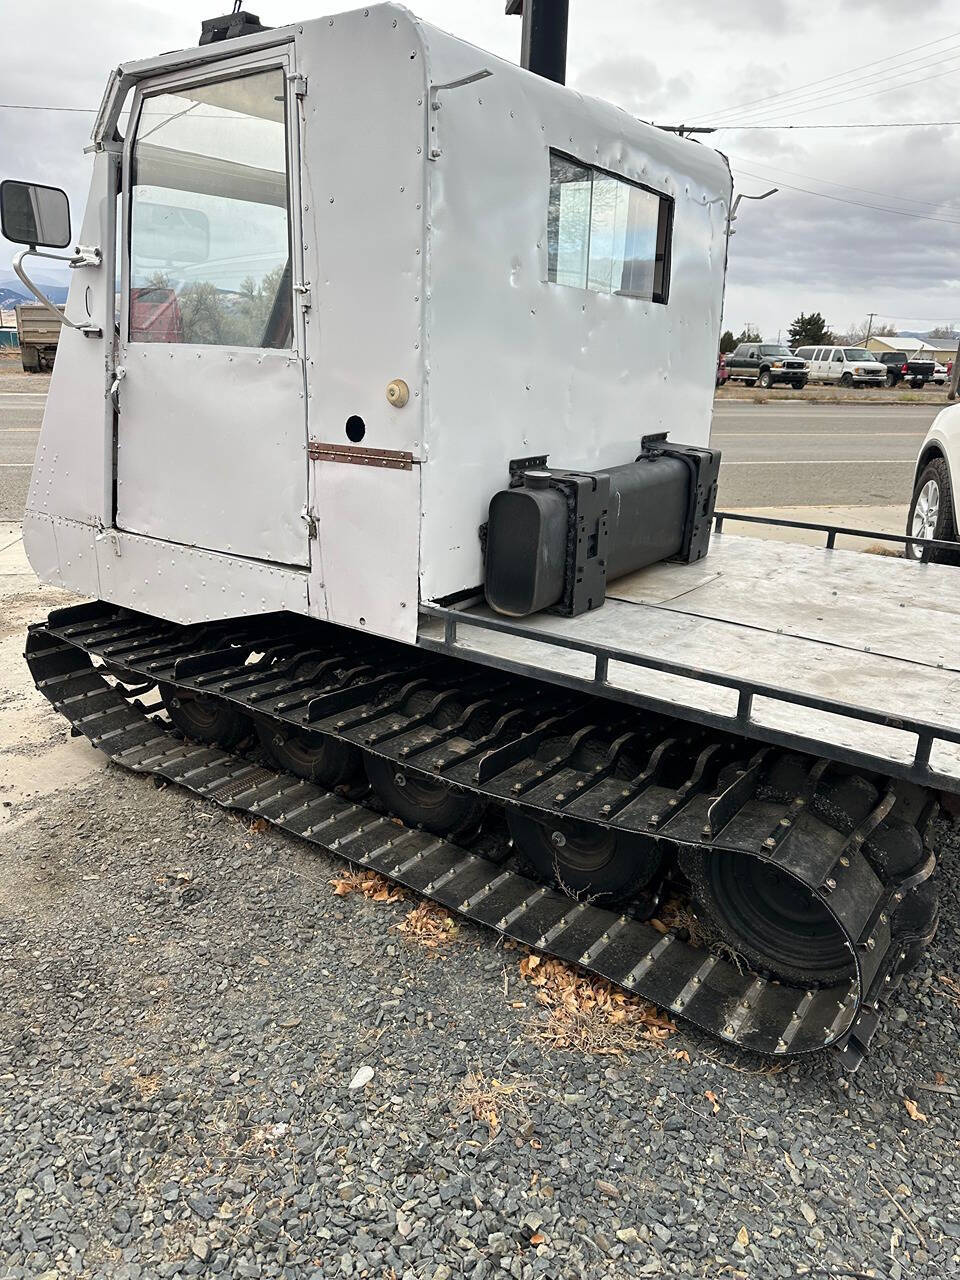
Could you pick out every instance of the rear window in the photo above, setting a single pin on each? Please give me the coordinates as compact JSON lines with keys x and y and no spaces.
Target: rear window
{"x":607,"y":234}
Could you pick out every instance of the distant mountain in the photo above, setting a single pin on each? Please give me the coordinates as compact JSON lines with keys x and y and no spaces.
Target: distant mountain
{"x":12,"y":291}
{"x":925,"y":337}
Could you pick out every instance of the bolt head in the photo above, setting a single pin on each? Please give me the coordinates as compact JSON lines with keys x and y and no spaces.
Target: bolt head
{"x":558,"y":839}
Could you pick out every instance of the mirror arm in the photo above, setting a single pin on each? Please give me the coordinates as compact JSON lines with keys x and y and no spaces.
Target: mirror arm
{"x":82,"y":257}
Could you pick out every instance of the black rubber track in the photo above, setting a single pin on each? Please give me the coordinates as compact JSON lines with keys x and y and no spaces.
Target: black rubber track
{"x":534,"y":752}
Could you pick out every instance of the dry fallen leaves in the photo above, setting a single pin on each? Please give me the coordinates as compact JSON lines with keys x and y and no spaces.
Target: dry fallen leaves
{"x":743,"y":1237}
{"x":589,"y":1013}
{"x":913,"y":1111}
{"x":491,"y":1100}
{"x":372,"y":886}
{"x":712,"y":1098}
{"x":428,"y":926}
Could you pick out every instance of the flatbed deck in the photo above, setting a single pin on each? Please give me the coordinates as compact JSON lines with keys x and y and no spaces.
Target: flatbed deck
{"x":849,"y":654}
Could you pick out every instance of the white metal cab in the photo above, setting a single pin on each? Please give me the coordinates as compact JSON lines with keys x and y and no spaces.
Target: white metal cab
{"x":362,"y":265}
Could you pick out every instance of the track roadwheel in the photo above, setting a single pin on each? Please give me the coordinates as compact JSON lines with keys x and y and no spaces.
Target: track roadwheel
{"x":423,"y":802}
{"x":769,"y":918}
{"x":606,"y":866}
{"x":310,"y":756}
{"x":205,"y":719}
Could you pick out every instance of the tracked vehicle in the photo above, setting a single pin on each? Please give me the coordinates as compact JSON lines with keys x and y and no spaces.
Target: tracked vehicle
{"x":379,"y":441}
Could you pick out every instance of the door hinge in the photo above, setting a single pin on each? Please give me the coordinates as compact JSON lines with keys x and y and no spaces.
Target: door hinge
{"x":299,"y":83}
{"x":306,"y":299}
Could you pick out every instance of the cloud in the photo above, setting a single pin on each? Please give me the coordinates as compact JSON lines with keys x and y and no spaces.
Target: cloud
{"x":677,"y":63}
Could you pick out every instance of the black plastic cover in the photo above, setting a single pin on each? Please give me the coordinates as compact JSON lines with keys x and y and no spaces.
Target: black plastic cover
{"x":554,"y":542}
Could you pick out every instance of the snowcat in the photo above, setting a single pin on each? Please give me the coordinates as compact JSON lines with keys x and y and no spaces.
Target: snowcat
{"x":379,"y":443}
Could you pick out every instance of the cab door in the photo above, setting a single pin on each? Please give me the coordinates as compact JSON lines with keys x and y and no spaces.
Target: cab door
{"x":212,"y":422}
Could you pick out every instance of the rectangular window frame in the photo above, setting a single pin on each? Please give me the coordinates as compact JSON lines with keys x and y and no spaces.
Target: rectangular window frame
{"x":663,"y":252}
{"x":228,"y":69}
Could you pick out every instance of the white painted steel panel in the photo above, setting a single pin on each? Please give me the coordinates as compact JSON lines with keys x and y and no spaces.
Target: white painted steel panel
{"x":185,"y":584}
{"x":212,"y":448}
{"x":368,"y":538}
{"x":518,"y":366}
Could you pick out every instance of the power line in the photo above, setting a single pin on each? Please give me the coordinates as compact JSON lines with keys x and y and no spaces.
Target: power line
{"x":26,"y":106}
{"x":878,"y":93}
{"x":791,"y":102}
{"x":837,"y":76}
{"x":869,"y":191}
{"x":860,"y":204}
{"x":882,"y":124}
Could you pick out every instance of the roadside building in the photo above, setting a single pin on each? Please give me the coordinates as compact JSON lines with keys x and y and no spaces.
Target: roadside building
{"x":939,"y":348}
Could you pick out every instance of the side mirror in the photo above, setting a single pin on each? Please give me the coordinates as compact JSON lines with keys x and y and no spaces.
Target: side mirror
{"x":34,"y":215}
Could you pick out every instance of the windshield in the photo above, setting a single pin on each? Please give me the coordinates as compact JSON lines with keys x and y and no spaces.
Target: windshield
{"x":858,"y":353}
{"x":775,"y":351}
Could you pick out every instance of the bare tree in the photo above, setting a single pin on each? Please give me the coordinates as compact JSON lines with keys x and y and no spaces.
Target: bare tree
{"x":858,"y":333}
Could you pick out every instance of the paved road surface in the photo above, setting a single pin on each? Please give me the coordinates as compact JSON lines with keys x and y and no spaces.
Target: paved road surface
{"x":21,"y":409}
{"x":775,"y":455}
{"x":791,"y":454}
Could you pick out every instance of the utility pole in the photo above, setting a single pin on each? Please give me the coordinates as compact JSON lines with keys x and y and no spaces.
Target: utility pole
{"x":870,"y":319}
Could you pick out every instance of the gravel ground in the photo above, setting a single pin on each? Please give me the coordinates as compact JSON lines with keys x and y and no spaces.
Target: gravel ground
{"x":185,"y":1004}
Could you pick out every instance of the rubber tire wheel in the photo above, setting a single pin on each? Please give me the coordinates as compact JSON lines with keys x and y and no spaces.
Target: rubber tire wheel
{"x":801,"y":383}
{"x":944,"y":530}
{"x":605,"y":866}
{"x":918,"y":384}
{"x":205,"y":719}
{"x":315,"y":758}
{"x":423,"y":802}
{"x":892,"y":381}
{"x":765,"y":381}
{"x":846,"y":380}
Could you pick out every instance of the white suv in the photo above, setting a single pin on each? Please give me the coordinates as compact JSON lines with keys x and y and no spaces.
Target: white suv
{"x":933,"y":513}
{"x":850,"y":366}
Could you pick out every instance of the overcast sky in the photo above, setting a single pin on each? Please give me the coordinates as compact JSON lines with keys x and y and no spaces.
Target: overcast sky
{"x":668,"y":63}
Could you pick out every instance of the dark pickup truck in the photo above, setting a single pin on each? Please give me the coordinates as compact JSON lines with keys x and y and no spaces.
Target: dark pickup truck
{"x":904,"y":368}
{"x":764,"y":363}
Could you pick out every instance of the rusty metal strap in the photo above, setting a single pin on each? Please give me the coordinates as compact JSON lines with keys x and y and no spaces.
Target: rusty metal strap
{"x":395,"y":459}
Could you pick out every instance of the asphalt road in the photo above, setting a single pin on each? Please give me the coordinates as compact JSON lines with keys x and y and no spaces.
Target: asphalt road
{"x":790,"y":454}
{"x":21,"y":410}
{"x":774,"y":455}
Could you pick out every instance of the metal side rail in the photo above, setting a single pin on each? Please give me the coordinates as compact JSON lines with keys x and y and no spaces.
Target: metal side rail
{"x":521,"y":745}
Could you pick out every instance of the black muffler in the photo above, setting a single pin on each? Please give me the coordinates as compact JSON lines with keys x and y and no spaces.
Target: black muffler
{"x":555,"y":538}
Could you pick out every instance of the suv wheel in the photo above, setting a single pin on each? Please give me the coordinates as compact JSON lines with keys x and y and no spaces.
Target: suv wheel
{"x":931,"y":511}
{"x":765,"y":381}
{"x":892,"y":379}
{"x":846,"y":380}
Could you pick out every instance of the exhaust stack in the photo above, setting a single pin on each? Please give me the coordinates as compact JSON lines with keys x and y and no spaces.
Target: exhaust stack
{"x":544,"y":48}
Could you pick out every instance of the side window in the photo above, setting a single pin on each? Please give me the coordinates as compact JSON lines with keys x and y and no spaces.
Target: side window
{"x":835,"y":355}
{"x":607,"y":234}
{"x":818,"y":354}
{"x":209,"y":223}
